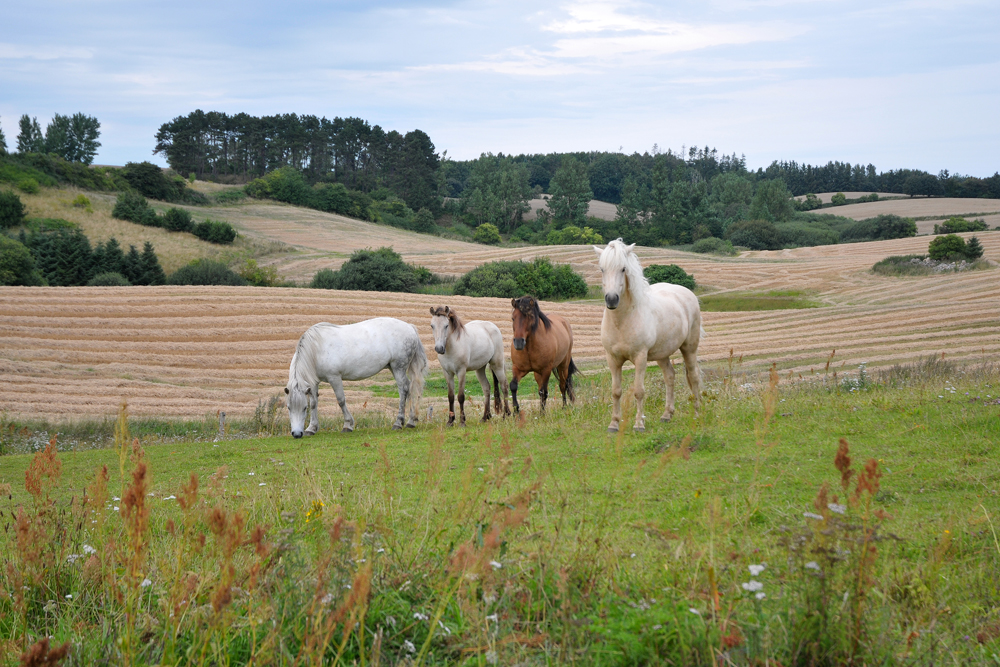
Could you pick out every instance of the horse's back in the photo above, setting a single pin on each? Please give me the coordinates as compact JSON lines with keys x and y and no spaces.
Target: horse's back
{"x":359,"y":350}
{"x":486,"y":341}
{"x":677,"y":310}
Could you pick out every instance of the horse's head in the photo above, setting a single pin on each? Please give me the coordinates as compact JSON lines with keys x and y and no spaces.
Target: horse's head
{"x":444,"y":321}
{"x":618,"y":265}
{"x":298,"y":407}
{"x":526,"y":315}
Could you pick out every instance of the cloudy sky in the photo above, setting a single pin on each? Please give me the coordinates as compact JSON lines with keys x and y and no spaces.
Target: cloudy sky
{"x":898,"y":83}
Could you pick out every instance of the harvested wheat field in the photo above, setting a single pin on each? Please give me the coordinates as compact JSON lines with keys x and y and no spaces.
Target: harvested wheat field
{"x":71,"y":353}
{"x":598,"y":209}
{"x":827,"y":197}
{"x":918,"y":207}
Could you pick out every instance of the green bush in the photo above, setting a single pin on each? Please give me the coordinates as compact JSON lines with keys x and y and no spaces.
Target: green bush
{"x":108,"y":279}
{"x":487,"y":234}
{"x":381,"y":270}
{"x":151,"y":181}
{"x":810,"y":203}
{"x":324,"y":279}
{"x":957,"y":225}
{"x":332,"y":198}
{"x":713,"y":245}
{"x":205,"y":272}
{"x":215,"y":231}
{"x":82,"y":201}
{"x":754,"y":234}
{"x":838,"y":199}
{"x":258,"y":276}
{"x":947,"y":247}
{"x":28,"y":186}
{"x":511,"y":279}
{"x":879,"y":228}
{"x":668,"y":273}
{"x":17,"y":266}
{"x":11,"y":210}
{"x":802,"y":234}
{"x":133,"y":206}
{"x":178,"y":220}
{"x":573,"y":235}
{"x":284,"y":184}
{"x":423,"y":221}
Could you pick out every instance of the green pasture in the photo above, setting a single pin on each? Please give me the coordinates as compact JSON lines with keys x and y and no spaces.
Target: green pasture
{"x":535,"y":540}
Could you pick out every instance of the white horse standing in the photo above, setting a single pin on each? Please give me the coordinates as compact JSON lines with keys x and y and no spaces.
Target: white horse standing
{"x":332,"y":353}
{"x":642,"y":323}
{"x":464,"y":346}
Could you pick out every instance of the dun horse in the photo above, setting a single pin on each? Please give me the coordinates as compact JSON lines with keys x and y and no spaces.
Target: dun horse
{"x":331,"y":353}
{"x":541,"y":343}
{"x":644,"y":322}
{"x":464,"y":346}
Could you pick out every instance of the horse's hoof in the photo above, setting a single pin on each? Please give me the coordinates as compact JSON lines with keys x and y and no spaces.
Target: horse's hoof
{"x":665,"y":419}
{"x":396,"y":427}
{"x":309,"y":433}
{"x":411,"y":426}
{"x":347,"y":430}
{"x":639,"y":429}
{"x":612,"y":429}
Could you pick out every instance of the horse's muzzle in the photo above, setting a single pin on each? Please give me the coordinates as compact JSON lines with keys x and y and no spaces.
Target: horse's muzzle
{"x":518,"y":343}
{"x":439,"y":349}
{"x":611,"y":301}
{"x":296,"y":434}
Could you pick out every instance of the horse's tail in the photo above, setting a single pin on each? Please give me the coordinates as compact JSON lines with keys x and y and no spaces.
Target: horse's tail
{"x":569,"y":374}
{"x":417,"y":371}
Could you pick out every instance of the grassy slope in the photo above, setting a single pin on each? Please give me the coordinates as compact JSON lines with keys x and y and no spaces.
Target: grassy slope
{"x":625,"y":519}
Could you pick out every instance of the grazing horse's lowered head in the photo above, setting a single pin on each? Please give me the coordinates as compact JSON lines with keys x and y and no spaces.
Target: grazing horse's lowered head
{"x":526,"y":316}
{"x":445,"y":322}
{"x":299,"y":402}
{"x":621,"y":272}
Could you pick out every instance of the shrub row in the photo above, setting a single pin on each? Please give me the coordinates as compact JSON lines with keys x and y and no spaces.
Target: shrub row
{"x":133,"y":206}
{"x":511,"y":279}
{"x":668,"y":273}
{"x":381,"y":270}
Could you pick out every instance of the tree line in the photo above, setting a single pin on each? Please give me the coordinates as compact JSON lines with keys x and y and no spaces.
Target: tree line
{"x":73,"y":138}
{"x":350,"y":151}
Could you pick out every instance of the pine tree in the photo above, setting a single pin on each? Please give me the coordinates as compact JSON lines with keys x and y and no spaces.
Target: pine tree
{"x":114,"y":258}
{"x":3,"y":142}
{"x":132,"y":266}
{"x":29,"y":139}
{"x":152,"y":272}
{"x":973,"y":248}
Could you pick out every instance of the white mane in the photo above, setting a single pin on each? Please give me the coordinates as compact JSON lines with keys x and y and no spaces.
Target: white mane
{"x":303,"y":368}
{"x":616,"y":256}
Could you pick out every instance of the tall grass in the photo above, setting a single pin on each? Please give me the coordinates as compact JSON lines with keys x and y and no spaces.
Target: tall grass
{"x":751,"y":533}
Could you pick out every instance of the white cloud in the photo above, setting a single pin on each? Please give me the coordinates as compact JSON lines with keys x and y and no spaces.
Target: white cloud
{"x":20,"y":52}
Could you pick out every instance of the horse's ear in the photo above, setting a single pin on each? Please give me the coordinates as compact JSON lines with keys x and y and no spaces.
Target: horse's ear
{"x":286,"y":390}
{"x":513,"y":303}
{"x":631,"y":247}
{"x":599,"y":251}
{"x":432,"y":310}
{"x":447,"y":310}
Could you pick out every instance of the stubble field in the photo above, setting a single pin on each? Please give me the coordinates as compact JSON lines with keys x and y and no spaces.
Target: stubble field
{"x":184,"y":352}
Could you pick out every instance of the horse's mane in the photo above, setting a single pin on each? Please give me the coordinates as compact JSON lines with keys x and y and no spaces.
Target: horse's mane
{"x":529,"y":305}
{"x":303,"y":369}
{"x":618,"y":256}
{"x":456,"y":322}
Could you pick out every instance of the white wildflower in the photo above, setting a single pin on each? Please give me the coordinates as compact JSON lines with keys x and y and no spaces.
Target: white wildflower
{"x":496,"y":565}
{"x":327,"y":599}
{"x":839,"y":509}
{"x":813,"y":565}
{"x":761,"y":595}
{"x":755,"y":570}
{"x":657,"y":627}
{"x":752,"y":586}
{"x":420,"y":617}
{"x":492,"y":618}
{"x":444,"y":627}
{"x":69,"y":597}
{"x":408,"y":645}
{"x":391,"y":620}
{"x":812,"y":515}
{"x":694,"y":611}
{"x":146,"y":583}
{"x":489,"y":598}
{"x":171,"y":498}
{"x":262,"y":484}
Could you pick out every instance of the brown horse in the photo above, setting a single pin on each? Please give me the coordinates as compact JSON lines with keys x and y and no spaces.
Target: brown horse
{"x":541,"y":343}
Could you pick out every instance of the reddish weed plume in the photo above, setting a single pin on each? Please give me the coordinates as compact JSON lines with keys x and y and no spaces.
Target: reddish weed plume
{"x":42,"y":476}
{"x":843,"y":463}
{"x":40,"y":654}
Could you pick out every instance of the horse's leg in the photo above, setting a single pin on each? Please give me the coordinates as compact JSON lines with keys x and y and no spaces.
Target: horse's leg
{"x":338,"y":389}
{"x":639,"y":390}
{"x":566,"y":382}
{"x":542,"y":380}
{"x":616,"y":393}
{"x":403,"y":385}
{"x":450,"y":377}
{"x":461,"y":396}
{"x":518,"y":374}
{"x":693,"y":373}
{"x":484,"y":382}
{"x":668,"y":382}
{"x":313,"y":411}
{"x":500,"y":378}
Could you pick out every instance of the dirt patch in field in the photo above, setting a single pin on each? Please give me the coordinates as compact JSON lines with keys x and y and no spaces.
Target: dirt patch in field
{"x":827,"y":197}
{"x":598,"y":209}
{"x":918,"y":207}
{"x":927,"y":226}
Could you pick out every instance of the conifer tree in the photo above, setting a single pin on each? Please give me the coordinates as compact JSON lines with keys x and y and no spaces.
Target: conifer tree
{"x":152,"y":272}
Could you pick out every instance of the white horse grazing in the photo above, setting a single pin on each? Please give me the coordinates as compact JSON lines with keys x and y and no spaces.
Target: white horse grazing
{"x":644,"y":322}
{"x":331,"y":353}
{"x":469,"y":346}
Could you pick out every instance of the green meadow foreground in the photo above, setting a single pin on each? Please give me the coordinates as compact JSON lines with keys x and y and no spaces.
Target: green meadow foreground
{"x":748,"y":535}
